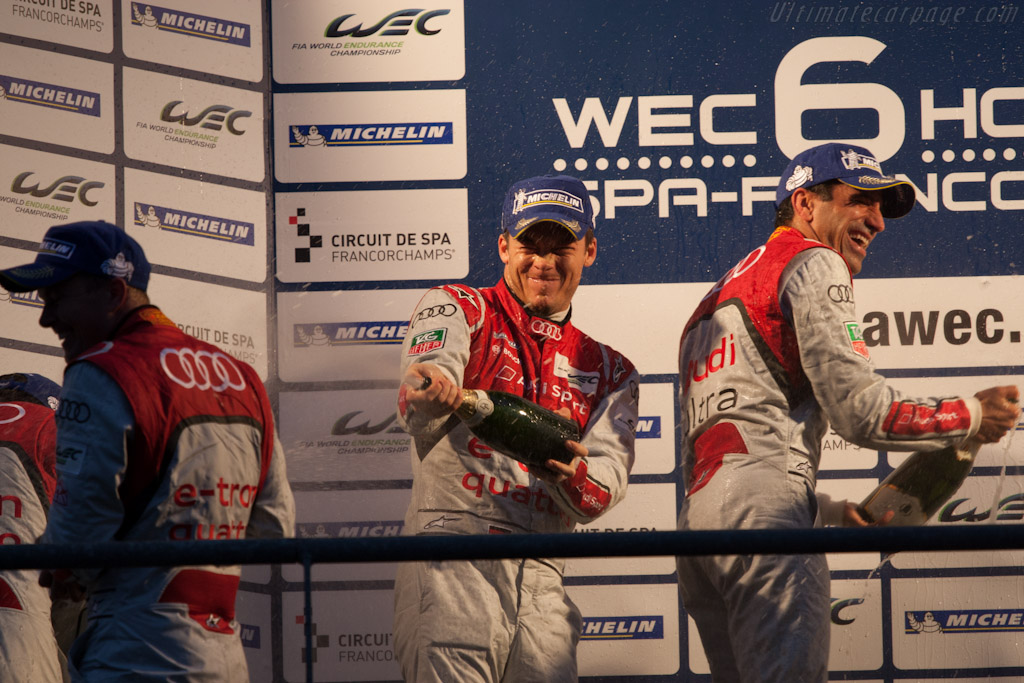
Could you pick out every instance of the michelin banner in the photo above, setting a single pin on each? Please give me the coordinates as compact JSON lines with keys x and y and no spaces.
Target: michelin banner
{"x":301,"y":173}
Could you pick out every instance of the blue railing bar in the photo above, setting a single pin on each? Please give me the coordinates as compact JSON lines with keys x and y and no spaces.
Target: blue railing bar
{"x":600,"y":544}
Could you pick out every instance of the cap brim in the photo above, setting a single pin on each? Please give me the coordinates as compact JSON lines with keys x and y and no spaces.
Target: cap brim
{"x":32,"y":276}
{"x":898,"y":197}
{"x":577,"y":229}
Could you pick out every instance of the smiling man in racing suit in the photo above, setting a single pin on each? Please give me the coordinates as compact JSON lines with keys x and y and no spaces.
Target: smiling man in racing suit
{"x":771,"y":357}
{"x":160,"y":437}
{"x":508,"y":620}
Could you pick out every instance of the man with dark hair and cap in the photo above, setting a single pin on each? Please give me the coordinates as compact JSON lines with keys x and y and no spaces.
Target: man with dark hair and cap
{"x":162,"y":437}
{"x":508,"y":620}
{"x":28,"y":447}
{"x":772,"y":356}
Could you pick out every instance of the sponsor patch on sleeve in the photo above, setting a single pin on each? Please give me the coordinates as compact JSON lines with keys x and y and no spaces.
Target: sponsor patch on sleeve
{"x":907,"y":418}
{"x":69,"y":457}
{"x":427,"y":341}
{"x":856,"y":339}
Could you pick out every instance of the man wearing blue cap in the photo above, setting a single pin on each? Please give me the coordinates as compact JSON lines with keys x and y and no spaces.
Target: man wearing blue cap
{"x":772,"y":356}
{"x":28,"y":447}
{"x":160,"y":436}
{"x":508,"y":620}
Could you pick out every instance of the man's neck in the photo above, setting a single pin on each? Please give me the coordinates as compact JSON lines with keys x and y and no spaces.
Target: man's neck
{"x":555,"y":317}
{"x":558,"y":317}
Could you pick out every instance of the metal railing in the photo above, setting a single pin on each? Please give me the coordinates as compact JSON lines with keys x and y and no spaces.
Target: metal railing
{"x":308,"y":551}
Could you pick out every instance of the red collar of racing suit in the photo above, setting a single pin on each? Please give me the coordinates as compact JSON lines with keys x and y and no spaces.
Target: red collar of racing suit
{"x":523,"y":319}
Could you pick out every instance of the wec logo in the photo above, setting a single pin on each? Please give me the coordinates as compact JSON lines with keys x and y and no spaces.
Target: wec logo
{"x":578,"y":379}
{"x":202,"y":370}
{"x":397,"y":24}
{"x":69,"y":459}
{"x":343,"y":426}
{"x":64,"y":189}
{"x":837,"y":608}
{"x":214,"y":117}
{"x":1009,"y":509}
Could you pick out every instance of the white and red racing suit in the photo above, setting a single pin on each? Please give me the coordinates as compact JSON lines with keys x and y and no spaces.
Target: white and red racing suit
{"x":171,"y":440}
{"x":504,"y":619}
{"x":772,"y":356}
{"x":28,"y":440}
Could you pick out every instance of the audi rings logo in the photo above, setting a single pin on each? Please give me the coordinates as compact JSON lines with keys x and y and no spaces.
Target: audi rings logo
{"x":446,"y":310}
{"x":74,"y":411}
{"x":7,"y":416}
{"x":201,"y":369}
{"x":841,"y":294}
{"x":546,"y":328}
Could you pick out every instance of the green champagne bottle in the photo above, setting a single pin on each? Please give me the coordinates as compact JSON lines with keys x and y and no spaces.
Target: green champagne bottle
{"x":918,"y":488}
{"x":517,"y":427}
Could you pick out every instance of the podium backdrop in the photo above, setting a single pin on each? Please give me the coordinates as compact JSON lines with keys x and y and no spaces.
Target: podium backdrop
{"x":300,"y":171}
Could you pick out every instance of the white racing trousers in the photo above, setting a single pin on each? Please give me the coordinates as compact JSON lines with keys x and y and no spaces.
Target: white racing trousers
{"x":761,"y":618}
{"x":485,"y":620}
{"x":771,"y":625}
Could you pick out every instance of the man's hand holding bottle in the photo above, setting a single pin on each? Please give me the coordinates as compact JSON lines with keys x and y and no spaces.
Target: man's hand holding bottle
{"x":428,"y":391}
{"x":999,"y":413}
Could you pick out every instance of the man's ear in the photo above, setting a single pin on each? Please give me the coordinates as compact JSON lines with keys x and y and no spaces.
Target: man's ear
{"x":117,"y":293}
{"x":503,"y":247}
{"x":591,"y":248}
{"x":803,"y":203}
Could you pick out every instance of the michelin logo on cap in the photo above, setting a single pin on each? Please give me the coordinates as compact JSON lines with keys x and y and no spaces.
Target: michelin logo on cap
{"x":524,"y":200}
{"x":852,"y":159}
{"x":56,"y":248}
{"x":851,"y":165}
{"x":561,"y":199}
{"x":801,"y":176}
{"x":118,"y":266}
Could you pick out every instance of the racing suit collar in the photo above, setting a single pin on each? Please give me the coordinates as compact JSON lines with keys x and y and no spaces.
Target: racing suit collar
{"x":147,"y":314}
{"x":787,"y":231}
{"x":536,"y":326}
{"x":560,"y":318}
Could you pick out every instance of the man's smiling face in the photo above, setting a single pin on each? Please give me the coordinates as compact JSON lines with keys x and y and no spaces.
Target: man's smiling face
{"x":543,"y":267}
{"x":848,"y":222}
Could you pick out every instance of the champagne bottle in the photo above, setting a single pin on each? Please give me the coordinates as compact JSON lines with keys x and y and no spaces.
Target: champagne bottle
{"x":918,"y":488}
{"x":517,"y":427}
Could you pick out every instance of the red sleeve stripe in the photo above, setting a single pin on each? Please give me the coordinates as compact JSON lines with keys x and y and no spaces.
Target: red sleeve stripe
{"x":586,"y":495}
{"x":910,"y":419}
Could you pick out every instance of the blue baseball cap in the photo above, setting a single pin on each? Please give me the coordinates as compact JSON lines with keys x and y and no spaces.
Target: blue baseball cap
{"x":850,"y":165}
{"x":560,"y":198}
{"x":30,"y":388}
{"x":95,"y":247}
